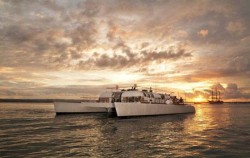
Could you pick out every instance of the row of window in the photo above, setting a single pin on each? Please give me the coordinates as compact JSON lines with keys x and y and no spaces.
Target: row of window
{"x":129,"y":99}
{"x":141,"y":99}
{"x":132,"y":99}
{"x":104,"y":100}
{"x":151,"y":95}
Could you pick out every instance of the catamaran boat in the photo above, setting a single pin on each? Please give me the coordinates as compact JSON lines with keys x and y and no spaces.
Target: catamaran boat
{"x":131,"y":102}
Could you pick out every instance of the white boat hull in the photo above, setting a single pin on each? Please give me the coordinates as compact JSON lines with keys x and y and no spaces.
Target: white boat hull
{"x":83,"y":107}
{"x":142,"y":109}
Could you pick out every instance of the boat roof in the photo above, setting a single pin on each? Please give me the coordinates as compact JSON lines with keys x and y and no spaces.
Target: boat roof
{"x":156,"y":95}
{"x":132,"y":94}
{"x":106,"y":95}
{"x":138,"y":94}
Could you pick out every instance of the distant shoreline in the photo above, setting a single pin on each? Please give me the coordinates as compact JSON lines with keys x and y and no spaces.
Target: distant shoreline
{"x":75,"y":100}
{"x":222,"y":104}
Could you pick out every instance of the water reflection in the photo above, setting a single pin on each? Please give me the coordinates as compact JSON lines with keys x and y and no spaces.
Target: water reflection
{"x":128,"y":137}
{"x":207,"y":131}
{"x":35,"y":131}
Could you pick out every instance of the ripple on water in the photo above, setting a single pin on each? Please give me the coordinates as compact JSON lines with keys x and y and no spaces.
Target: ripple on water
{"x":33,"y":130}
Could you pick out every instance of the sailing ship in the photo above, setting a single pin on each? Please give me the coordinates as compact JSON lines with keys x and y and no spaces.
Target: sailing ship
{"x":215,"y":99}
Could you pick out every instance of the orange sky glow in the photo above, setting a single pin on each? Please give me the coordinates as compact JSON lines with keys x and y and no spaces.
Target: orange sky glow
{"x":69,"y":49}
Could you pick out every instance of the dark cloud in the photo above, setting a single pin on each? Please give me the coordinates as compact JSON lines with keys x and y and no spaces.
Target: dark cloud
{"x":174,"y":54}
{"x":136,"y":59}
{"x":43,"y":38}
{"x":46,"y":32}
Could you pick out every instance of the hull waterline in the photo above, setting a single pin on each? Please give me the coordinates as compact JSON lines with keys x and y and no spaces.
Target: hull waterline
{"x":140,"y":109}
{"x":83,"y":107}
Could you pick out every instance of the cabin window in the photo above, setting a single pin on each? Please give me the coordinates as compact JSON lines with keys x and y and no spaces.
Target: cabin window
{"x":124,"y":99}
{"x":139,"y":99}
{"x":136,"y":99}
{"x":104,"y":100}
{"x":131,"y":99}
{"x":142,"y":99}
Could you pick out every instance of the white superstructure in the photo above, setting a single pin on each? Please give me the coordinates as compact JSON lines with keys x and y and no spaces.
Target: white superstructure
{"x":138,"y":103}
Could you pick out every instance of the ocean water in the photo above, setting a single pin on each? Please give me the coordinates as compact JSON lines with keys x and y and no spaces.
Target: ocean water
{"x":33,"y":130}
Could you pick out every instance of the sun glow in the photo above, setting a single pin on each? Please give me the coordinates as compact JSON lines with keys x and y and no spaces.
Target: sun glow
{"x":199,"y":99}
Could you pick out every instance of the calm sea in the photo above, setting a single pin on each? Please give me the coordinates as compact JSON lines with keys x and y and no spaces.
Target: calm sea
{"x":33,"y":130}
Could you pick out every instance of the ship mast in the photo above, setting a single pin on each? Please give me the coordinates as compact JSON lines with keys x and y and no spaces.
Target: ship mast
{"x":216,"y":94}
{"x":212,"y":95}
{"x":219,"y":95}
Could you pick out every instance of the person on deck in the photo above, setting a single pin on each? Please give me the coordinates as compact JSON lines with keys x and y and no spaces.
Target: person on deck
{"x":181,"y":101}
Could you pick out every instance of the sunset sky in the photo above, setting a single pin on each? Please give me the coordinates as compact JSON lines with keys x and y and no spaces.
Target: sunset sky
{"x":70,"y":49}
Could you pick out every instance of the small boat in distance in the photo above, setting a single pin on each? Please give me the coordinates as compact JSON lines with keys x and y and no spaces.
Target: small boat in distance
{"x":130,"y":102}
{"x":215,"y":99}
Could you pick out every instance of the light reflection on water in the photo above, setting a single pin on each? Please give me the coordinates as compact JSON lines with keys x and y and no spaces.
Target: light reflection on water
{"x":33,"y":130}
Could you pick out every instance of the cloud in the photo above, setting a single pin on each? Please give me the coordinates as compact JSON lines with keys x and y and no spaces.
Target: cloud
{"x":128,"y":58}
{"x":47,"y":41}
{"x":235,"y":27}
{"x":240,"y":63}
{"x":203,"y":33}
{"x":54,"y":92}
{"x":197,"y":40}
{"x":231,"y":91}
{"x":192,"y":95}
{"x":53,"y":34}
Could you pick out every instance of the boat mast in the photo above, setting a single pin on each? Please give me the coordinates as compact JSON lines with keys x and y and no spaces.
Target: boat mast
{"x":212,"y":95}
{"x":216,"y":94}
{"x":219,"y":95}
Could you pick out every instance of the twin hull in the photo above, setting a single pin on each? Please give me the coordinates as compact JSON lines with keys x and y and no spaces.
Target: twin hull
{"x":123,"y":109}
{"x":83,"y":107}
{"x":139,"y":109}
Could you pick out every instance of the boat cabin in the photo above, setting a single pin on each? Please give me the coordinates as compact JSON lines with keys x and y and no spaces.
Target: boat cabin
{"x":138,"y":96}
{"x":132,"y":96}
{"x":107,"y":97}
{"x":144,"y":97}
